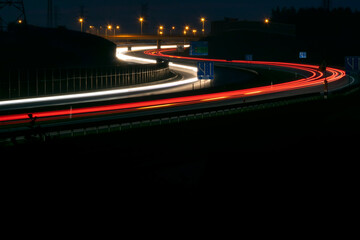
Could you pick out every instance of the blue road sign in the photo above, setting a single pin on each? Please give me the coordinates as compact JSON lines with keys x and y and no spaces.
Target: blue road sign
{"x":205,"y":70}
{"x":248,"y":57}
{"x":199,"y":48}
{"x":302,"y":55}
{"x":352,"y":64}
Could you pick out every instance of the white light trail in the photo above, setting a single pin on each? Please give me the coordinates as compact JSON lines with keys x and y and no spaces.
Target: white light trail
{"x":120,"y":53}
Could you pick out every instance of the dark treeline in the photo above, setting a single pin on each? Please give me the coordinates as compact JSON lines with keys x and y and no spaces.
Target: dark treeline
{"x":31,"y":46}
{"x":330,"y":35}
{"x":325,"y":35}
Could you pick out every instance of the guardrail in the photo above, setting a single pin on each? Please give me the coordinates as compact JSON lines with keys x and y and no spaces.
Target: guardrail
{"x":37,"y":133}
{"x":42,"y":134}
{"x":22,"y":82}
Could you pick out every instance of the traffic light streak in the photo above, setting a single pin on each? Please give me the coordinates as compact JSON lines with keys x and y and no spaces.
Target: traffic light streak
{"x":316,"y":78}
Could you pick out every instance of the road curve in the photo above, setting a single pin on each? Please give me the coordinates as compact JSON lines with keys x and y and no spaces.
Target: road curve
{"x":316,"y":77}
{"x":314,"y":81}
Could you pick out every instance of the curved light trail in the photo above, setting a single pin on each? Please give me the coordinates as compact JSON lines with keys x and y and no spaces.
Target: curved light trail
{"x":121,"y":54}
{"x":316,"y":78}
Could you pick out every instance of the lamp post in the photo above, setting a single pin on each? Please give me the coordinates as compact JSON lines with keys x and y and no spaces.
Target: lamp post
{"x":81,"y":20}
{"x":203,"y":25}
{"x":161,"y":30}
{"x":92,"y":29}
{"x":141,"y":19}
{"x":109,"y":27}
{"x":186,"y":29}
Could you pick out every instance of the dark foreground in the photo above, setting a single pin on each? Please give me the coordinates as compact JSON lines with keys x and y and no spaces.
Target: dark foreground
{"x":309,"y":146}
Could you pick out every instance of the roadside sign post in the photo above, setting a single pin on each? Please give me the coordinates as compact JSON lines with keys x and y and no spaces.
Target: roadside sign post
{"x":326,"y":88}
{"x":180,"y":48}
{"x":205,"y":70}
{"x":249,"y":57}
{"x":352,"y":67}
{"x":322,"y":68}
{"x":302,"y":55}
{"x":352,"y":64}
{"x":199,"y":48}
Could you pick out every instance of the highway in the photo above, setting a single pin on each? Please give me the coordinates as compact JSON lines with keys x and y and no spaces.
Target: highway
{"x":312,"y":81}
{"x":187,"y":77}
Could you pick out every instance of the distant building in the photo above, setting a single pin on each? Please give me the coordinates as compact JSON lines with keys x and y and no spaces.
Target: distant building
{"x":233,"y":25}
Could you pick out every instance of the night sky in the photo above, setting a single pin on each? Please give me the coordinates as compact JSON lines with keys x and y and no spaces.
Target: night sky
{"x":175,"y":12}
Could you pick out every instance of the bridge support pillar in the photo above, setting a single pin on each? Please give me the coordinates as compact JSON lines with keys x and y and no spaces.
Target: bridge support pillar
{"x":158,"y":43}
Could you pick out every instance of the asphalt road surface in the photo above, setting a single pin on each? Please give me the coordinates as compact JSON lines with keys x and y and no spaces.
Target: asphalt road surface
{"x":313,"y":81}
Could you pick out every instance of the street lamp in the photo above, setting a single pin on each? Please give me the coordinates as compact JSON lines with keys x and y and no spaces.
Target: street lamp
{"x":194,"y":31}
{"x":92,"y":29}
{"x":186,"y":29}
{"x":161,"y":30}
{"x":203,"y":25}
{"x":267,"y":21}
{"x":81,"y":20}
{"x":141,"y":19}
{"x":109,"y":27}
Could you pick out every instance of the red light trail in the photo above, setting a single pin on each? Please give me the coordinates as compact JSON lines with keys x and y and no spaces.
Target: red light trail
{"x":316,"y":78}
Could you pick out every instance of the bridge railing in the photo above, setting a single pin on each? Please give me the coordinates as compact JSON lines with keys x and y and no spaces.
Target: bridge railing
{"x":32,"y":82}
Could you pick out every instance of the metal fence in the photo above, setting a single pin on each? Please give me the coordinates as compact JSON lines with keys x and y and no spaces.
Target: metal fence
{"x":44,"y":134}
{"x":31,"y":82}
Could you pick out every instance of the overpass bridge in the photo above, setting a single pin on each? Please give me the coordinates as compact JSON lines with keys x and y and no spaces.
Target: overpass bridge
{"x":125,"y":38}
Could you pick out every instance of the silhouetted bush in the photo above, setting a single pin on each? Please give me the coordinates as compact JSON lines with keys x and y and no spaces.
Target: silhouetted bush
{"x":26,"y":46}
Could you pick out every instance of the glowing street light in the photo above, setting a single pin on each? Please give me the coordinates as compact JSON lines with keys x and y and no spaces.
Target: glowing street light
{"x":92,"y":29}
{"x":141,"y":19}
{"x":267,"y":21}
{"x":161,"y":30}
{"x":186,"y":29}
{"x":203,"y":25}
{"x":109,"y":27}
{"x":81,"y":21}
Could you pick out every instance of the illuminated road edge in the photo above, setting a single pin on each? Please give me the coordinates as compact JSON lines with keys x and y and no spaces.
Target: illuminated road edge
{"x":121,"y":54}
{"x":316,"y":79}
